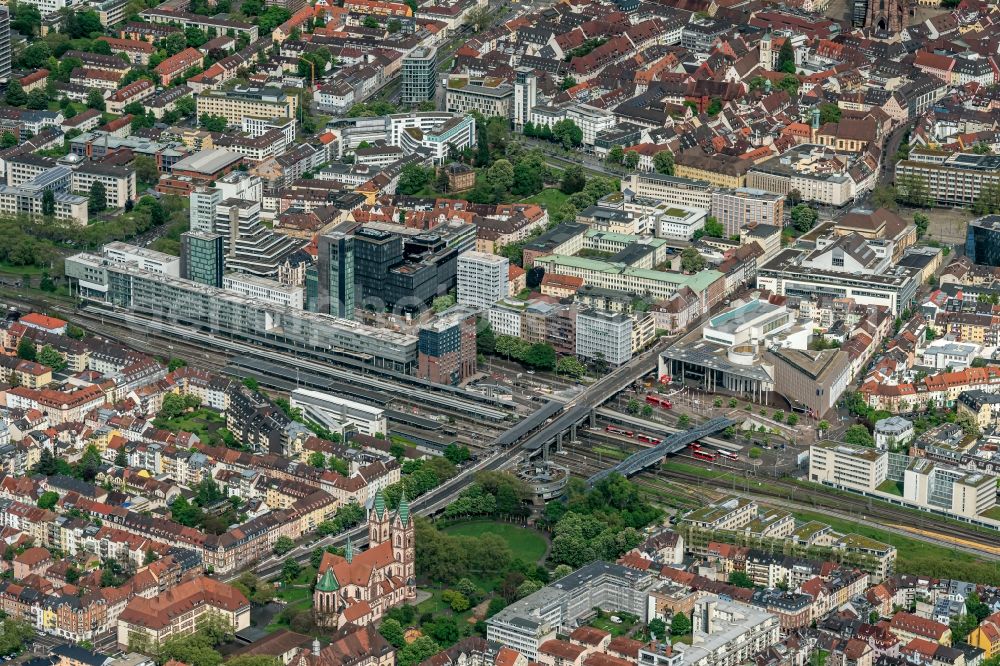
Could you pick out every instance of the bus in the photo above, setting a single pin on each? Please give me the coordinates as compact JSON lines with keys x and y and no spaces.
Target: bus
{"x":704,"y":455}
{"x":618,"y":431}
{"x":647,"y":439}
{"x":657,"y":401}
{"x":728,"y":454}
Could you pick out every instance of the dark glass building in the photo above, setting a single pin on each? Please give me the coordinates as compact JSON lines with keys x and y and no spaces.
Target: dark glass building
{"x":982,"y":240}
{"x":335,"y":278}
{"x":203,"y":257}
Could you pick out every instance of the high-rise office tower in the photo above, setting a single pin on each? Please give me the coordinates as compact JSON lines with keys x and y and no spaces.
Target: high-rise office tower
{"x":4,"y":45}
{"x":335,"y":274}
{"x":419,"y":79}
{"x":525,"y":95}
{"x":203,"y":257}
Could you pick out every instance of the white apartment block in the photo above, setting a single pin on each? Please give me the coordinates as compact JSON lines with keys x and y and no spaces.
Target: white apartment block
{"x":505,"y":317}
{"x":235,"y":105}
{"x":265,"y":289}
{"x":680,"y":222}
{"x":602,"y":334}
{"x":676,"y":190}
{"x":482,"y":279}
{"x":118,"y":181}
{"x":144,"y":258}
{"x":730,"y":513}
{"x":727,"y":633}
{"x":853,"y":467}
{"x":590,"y":120}
{"x":339,"y":414}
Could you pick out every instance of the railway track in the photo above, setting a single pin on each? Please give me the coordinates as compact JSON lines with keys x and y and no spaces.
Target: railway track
{"x":585,"y":461}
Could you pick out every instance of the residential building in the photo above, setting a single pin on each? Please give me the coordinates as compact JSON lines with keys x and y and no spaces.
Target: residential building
{"x":892,"y":433}
{"x":679,"y":222}
{"x":118,"y":181}
{"x":727,"y":633}
{"x":746,"y":207}
{"x":489,"y":98}
{"x":234,"y":105}
{"x":525,"y":95}
{"x":482,"y":279}
{"x":558,"y":607}
{"x":177,"y":611}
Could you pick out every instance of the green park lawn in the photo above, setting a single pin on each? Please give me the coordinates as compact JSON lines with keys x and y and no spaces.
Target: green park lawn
{"x":551,"y":199}
{"x":526,"y":544}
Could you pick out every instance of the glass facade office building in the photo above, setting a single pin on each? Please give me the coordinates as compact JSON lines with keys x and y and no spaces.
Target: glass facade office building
{"x":982,"y":241}
{"x":203,"y":257}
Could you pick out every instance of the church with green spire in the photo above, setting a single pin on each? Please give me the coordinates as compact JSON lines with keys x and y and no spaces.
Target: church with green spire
{"x":361,"y":586}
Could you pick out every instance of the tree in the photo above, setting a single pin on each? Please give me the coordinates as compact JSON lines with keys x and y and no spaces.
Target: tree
{"x":823,"y":426}
{"x":858,"y":435}
{"x":413,"y":179}
{"x":714,"y":228}
{"x":754,"y":453}
{"x":213,"y":123}
{"x":714,"y":107}
{"x":371,"y":22}
{"x":567,"y":133}
{"x":486,"y":341}
{"x":392,"y":631}
{"x":786,"y":57}
{"x":829,"y":112}
{"x":48,"y":203}
{"x":283,"y":544}
{"x":26,"y":349}
{"x":500,"y":176}
{"x":95,"y":100}
{"x":988,"y":200}
{"x":15,"y":635}
{"x":683,"y":421}
{"x":921,"y":221}
{"x":420,"y":649}
{"x":38,"y":99}
{"x":571,"y":367}
{"x":26,"y":19}
{"x":290,"y":570}
{"x":121,"y":458}
{"x":740,"y":579}
{"x":146,"y":170}
{"x":8,"y":140}
{"x":680,"y":625}
{"x":663,"y":162}
{"x":567,"y":82}
{"x":255,"y":660}
{"x":540,"y":356}
{"x":885,"y":197}
{"x":51,"y":358}
{"x":615,"y":155}
{"x":573,"y":180}
{"x":913,"y":190}
{"x":48,"y":499}
{"x":97,"y":199}
{"x":394,"y":26}
{"x":792,"y":420}
{"x":631,"y":159}
{"x":691,"y":260}
{"x":15,"y":95}
{"x":478,"y":17}
{"x":803,"y":218}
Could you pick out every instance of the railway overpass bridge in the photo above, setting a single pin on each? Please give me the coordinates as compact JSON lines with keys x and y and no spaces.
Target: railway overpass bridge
{"x":674,"y":443}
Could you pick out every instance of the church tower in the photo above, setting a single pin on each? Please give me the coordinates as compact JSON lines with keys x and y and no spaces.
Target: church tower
{"x":378,"y":521}
{"x":326,"y":602}
{"x":404,"y":546}
{"x":766,"y":60}
{"x":887,"y":15}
